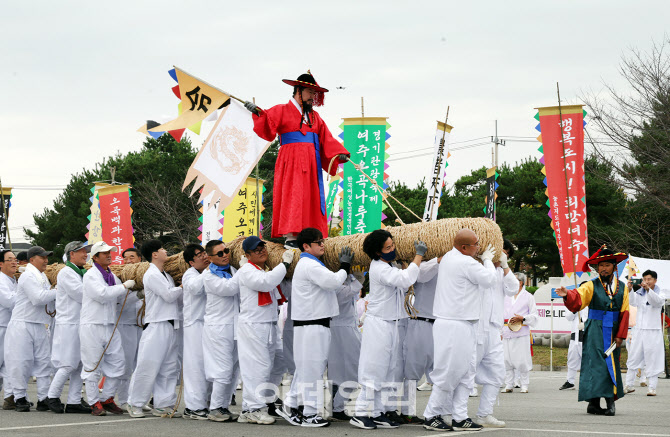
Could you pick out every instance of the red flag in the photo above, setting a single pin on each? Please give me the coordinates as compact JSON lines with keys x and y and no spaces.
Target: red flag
{"x":115,"y":211}
{"x":563,"y":145}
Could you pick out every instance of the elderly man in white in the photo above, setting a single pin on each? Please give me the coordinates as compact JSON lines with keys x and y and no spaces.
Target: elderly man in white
{"x":257,"y":334}
{"x":27,"y":341}
{"x":9,"y":265}
{"x":158,"y":366}
{"x":219,"y":342}
{"x":66,"y":350}
{"x":460,"y":285}
{"x":314,"y":302}
{"x":648,"y":350}
{"x":101,"y":351}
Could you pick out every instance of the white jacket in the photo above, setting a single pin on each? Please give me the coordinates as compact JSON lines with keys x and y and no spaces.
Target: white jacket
{"x":7,"y":298}
{"x":32,"y":294}
{"x":69,"y":293}
{"x":98,"y":304}
{"x":314,"y":291}
{"x":251,"y":282}
{"x":388,"y":286}
{"x":347,"y":295}
{"x":649,"y":304}
{"x":162,"y":297}
{"x":424,"y":289}
{"x":195,"y":298}
{"x":223,"y":298}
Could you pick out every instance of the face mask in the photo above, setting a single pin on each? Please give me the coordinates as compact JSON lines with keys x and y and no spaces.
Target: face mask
{"x":388,"y":256}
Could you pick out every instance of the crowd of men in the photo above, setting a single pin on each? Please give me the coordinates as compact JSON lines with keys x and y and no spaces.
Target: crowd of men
{"x":133,"y":348}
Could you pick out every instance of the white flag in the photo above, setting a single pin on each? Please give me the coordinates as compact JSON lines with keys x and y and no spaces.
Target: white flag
{"x":438,"y":171}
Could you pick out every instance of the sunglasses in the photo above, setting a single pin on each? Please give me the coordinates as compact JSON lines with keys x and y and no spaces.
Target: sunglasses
{"x":221,"y":252}
{"x":320,"y":242}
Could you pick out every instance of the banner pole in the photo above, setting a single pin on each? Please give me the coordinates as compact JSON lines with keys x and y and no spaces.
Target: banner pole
{"x":4,"y":213}
{"x":258,"y":197}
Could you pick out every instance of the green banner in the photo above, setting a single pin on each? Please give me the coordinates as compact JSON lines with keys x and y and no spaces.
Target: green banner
{"x":365,"y":139}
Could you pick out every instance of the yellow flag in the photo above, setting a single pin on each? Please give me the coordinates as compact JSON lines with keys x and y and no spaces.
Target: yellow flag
{"x":199,"y":100}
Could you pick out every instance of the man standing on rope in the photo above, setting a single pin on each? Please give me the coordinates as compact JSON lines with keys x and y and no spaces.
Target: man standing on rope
{"x":8,"y":268}
{"x":158,"y":366}
{"x":27,"y":342}
{"x":307,"y":148}
{"x":257,"y":332}
{"x":101,"y":350}
{"x":607,"y":326}
{"x":457,"y":306}
{"x":66,"y":351}
{"x":219,"y":344}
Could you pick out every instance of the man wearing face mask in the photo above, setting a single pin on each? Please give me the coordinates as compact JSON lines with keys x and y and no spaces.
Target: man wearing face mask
{"x":605,"y":330}
{"x":8,"y":268}
{"x":307,"y":147}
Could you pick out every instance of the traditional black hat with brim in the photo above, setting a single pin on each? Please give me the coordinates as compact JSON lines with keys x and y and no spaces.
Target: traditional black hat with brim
{"x":306,"y":80}
{"x":603,"y":255}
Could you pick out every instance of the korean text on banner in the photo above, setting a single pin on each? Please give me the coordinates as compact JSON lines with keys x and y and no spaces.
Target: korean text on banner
{"x":563,"y":148}
{"x":365,"y":139}
{"x":227,"y":157}
{"x":438,"y":170}
{"x":5,"y":199}
{"x":115,"y":211}
{"x":240,"y":217}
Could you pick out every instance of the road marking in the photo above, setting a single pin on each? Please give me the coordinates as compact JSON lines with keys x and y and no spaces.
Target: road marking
{"x":107,"y":422}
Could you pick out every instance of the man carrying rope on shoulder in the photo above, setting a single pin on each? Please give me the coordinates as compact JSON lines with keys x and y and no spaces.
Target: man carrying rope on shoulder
{"x":307,"y":148}
{"x":101,"y":350}
{"x":158,"y":356}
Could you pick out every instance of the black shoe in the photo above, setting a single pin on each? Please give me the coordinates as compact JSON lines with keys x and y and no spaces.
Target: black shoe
{"x":314,"y":421}
{"x":84,"y":403}
{"x":363,"y":422}
{"x":291,"y":415}
{"x":55,"y":405}
{"x":77,"y":409}
{"x":232,"y":400}
{"x":611,"y":410}
{"x":594,"y":407}
{"x":384,"y":422}
{"x":341,"y":415}
{"x":412,"y":419}
{"x":43,"y":405}
{"x":393,"y":416}
{"x":436,"y":424}
{"x":22,"y":405}
{"x":272,"y":409}
{"x":466,"y":425}
{"x":567,"y":386}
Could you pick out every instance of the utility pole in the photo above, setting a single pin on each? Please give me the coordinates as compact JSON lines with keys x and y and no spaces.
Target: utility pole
{"x":496,"y":142}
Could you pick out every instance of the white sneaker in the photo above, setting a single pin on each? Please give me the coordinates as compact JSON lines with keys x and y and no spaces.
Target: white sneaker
{"x":260,"y":417}
{"x":135,"y":412}
{"x":651,"y":392}
{"x":244,"y":417}
{"x":627,"y":389}
{"x":490,"y":422}
{"x":147,"y":408}
{"x":524,"y":390}
{"x":426,"y":386}
{"x":165,"y":412}
{"x":474,"y":393}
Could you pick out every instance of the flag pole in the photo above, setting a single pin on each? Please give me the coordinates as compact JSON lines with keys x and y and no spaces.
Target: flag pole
{"x":258,"y":197}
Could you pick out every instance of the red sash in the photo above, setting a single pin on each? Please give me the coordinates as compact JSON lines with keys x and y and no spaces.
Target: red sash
{"x":264,"y":297}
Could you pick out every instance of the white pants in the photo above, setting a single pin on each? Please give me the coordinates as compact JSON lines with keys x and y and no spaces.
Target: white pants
{"x":66,"y":359}
{"x":517,"y":357}
{"x":490,"y":373}
{"x":574,"y":360}
{"x":311,"y":345}
{"x":4,"y":376}
{"x":220,"y":363}
{"x":418,"y":349}
{"x":130,"y":340}
{"x":454,"y":343}
{"x":196,"y":386}
{"x":157,"y":367}
{"x":343,"y":360}
{"x":93,"y":340}
{"x":647,"y":351}
{"x":27,"y":353}
{"x":257,"y":343}
{"x":287,"y":347}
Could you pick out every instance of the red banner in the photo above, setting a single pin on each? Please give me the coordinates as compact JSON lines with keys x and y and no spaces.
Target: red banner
{"x":115,"y":211}
{"x":563,"y":146}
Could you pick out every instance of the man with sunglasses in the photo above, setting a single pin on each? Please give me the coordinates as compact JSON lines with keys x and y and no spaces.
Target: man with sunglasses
{"x":257,"y":333}
{"x":314,"y":303}
{"x":219,"y":345}
{"x":195,"y":300}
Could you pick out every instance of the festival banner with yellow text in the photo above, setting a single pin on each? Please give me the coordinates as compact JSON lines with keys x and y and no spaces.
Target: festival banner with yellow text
{"x":241,"y":217}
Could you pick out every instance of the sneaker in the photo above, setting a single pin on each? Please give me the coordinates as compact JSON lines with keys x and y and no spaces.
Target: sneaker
{"x":77,"y":409}
{"x":393,"y":416}
{"x":219,"y":415}
{"x":507,"y":390}
{"x":524,"y":390}
{"x":466,"y":425}
{"x":272,"y":409}
{"x":384,"y":422}
{"x":567,"y":386}
{"x":651,"y":392}
{"x":110,"y":406}
{"x":490,"y":422}
{"x":363,"y":422}
{"x":22,"y":405}
{"x":165,"y":412}
{"x":55,"y":405}
{"x":474,"y":393}
{"x":43,"y":405}
{"x":628,"y":389}
{"x":9,"y":403}
{"x":412,"y":419}
{"x":341,"y":416}
{"x":291,"y":415}
{"x":426,"y":386}
{"x":260,"y":417}
{"x":195,"y":414}
{"x":314,"y":421}
{"x":436,"y":424}
{"x":135,"y":412}
{"x":244,"y":417}
{"x":149,"y":406}
{"x":84,"y":403}
{"x":98,"y":410}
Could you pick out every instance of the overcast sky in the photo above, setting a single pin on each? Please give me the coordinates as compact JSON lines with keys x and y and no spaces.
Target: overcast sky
{"x":78,"y":78}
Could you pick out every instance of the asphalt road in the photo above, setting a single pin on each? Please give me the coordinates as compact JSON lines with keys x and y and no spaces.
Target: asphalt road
{"x":545,"y":411}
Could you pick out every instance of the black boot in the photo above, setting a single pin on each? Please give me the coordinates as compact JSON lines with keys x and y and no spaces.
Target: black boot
{"x":55,"y":405}
{"x":610,"y":407}
{"x":594,"y":407}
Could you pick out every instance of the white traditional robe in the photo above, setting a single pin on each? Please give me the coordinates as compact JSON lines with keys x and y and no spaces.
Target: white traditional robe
{"x":517,"y":344}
